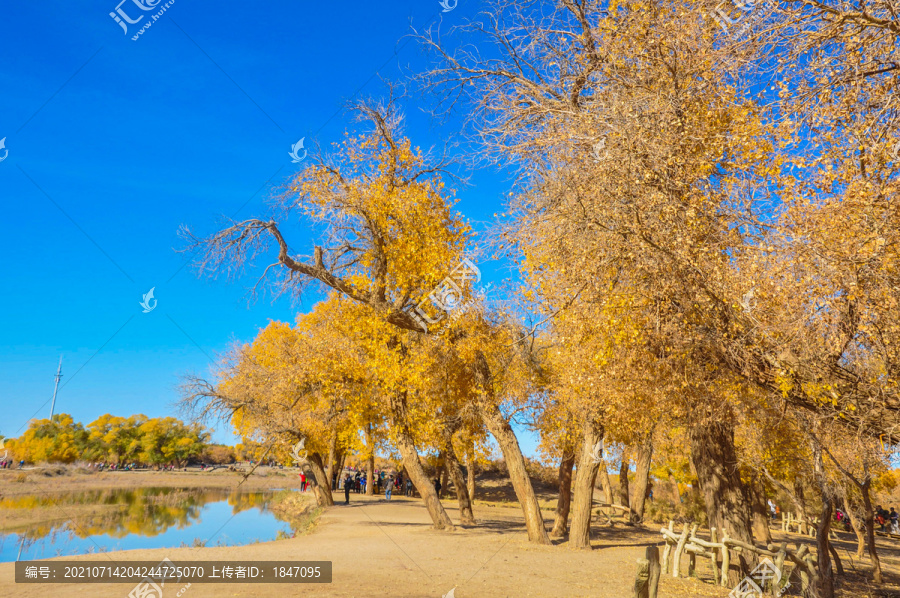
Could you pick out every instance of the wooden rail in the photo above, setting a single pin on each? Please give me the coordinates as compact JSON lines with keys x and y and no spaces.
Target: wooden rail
{"x":719,"y":551}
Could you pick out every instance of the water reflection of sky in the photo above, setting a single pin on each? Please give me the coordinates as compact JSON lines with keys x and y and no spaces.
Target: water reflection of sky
{"x":214,"y":517}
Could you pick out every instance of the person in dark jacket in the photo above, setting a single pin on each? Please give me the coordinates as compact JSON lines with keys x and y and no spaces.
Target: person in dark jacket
{"x":347,"y":490}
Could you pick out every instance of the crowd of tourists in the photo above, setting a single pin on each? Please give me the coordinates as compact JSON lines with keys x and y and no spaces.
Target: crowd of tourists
{"x":356,"y":480}
{"x":887,"y":521}
{"x":8,"y":463}
{"x":102,"y":465}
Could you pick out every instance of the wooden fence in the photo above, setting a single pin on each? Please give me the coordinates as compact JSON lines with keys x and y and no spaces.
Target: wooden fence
{"x":718,"y":552}
{"x":789,"y":522}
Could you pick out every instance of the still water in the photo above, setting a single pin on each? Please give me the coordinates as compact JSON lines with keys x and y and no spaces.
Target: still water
{"x":124,"y":519}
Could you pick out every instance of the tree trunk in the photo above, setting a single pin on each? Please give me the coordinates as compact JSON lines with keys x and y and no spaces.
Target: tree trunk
{"x":676,"y":493}
{"x":470,"y":475}
{"x":370,"y":461}
{"x":339,"y":466}
{"x":320,"y":483}
{"x":561,"y":524}
{"x":641,"y":479}
{"x":585,"y":476}
{"x":623,"y":479}
{"x":466,"y":517}
{"x":853,"y":510}
{"x":413,"y":467}
{"x":823,"y":549}
{"x":823,"y":542}
{"x":332,"y":453}
{"x":603,"y":474}
{"x":760,"y":512}
{"x":799,"y":500}
{"x":443,"y":474}
{"x":870,"y":531}
{"x":714,"y":459}
{"x":796,"y":497}
{"x":860,"y":532}
{"x":509,"y":445}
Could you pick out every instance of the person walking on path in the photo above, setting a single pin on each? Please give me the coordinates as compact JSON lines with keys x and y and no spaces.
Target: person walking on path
{"x":388,"y":489}
{"x":347,"y":490}
{"x":408,"y":487}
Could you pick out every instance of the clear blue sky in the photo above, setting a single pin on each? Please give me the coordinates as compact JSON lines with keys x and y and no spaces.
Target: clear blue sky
{"x":114,"y":143}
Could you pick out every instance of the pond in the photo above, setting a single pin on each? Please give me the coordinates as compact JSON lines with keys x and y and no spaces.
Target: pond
{"x":124,"y":519}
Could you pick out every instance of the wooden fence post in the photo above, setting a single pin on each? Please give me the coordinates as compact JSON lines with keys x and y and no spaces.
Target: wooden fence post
{"x":676,"y":560}
{"x":712,"y":552}
{"x":726,"y":559}
{"x":779,"y":561}
{"x":642,"y":580}
{"x":653,"y":583}
{"x":668,"y":550}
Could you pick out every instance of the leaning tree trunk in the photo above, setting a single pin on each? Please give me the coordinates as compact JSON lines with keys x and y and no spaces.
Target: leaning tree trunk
{"x":509,"y":445}
{"x":561,"y":524}
{"x":852,"y":510}
{"x":451,"y":463}
{"x":320,"y":483}
{"x":756,"y":494}
{"x":641,"y":479}
{"x":585,"y":476}
{"x":370,"y":462}
{"x":414,"y":469}
{"x":715,"y":461}
{"x":870,"y":531}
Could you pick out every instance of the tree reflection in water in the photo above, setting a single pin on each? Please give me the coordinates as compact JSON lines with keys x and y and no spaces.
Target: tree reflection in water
{"x":122,"y":512}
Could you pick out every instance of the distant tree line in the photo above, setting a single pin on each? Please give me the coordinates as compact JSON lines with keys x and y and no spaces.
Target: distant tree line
{"x":113,"y":439}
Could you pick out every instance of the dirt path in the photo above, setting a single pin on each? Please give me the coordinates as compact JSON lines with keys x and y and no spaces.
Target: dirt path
{"x":388,"y":549}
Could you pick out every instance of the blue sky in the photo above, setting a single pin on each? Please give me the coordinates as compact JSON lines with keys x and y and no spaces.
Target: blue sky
{"x":114,"y":143}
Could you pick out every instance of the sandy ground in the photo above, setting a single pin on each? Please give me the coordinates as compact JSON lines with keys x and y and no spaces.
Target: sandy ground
{"x":381,"y":548}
